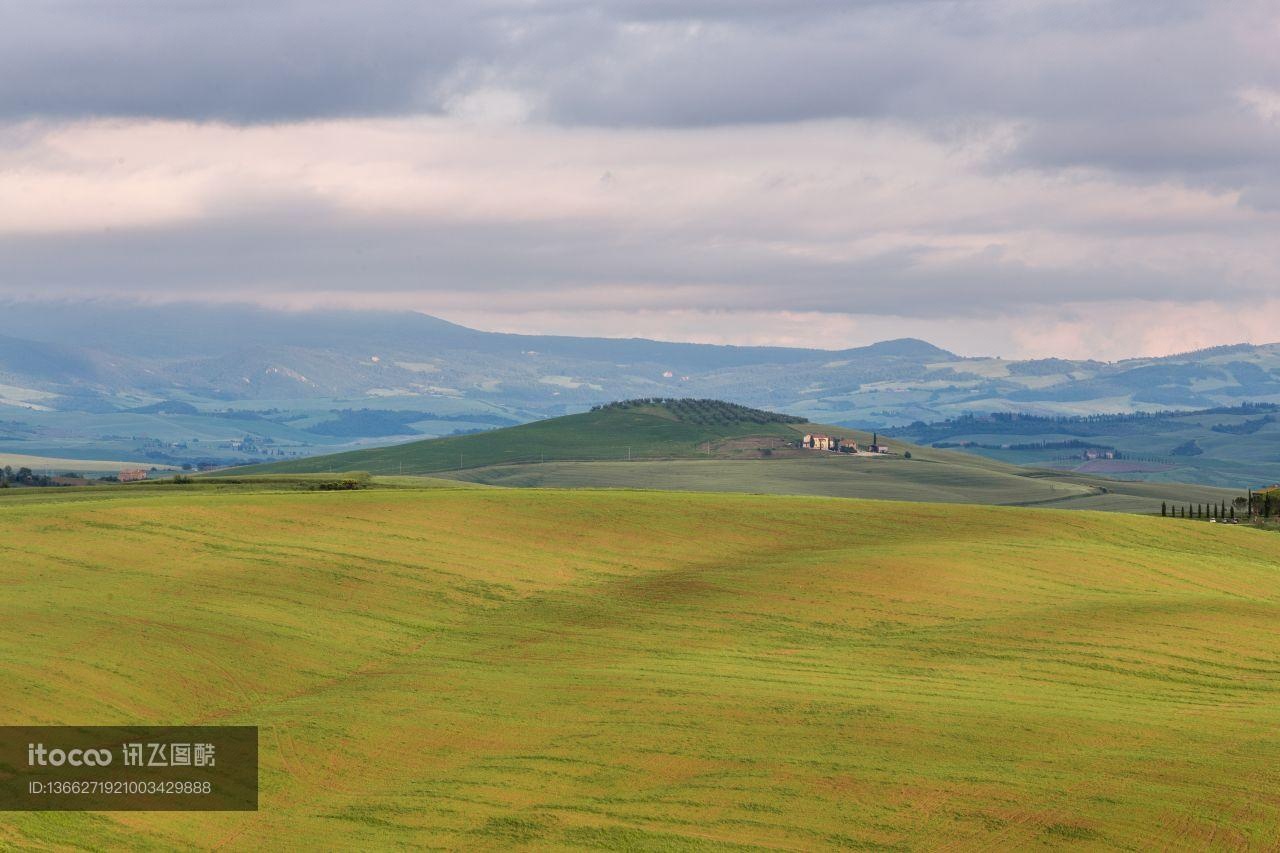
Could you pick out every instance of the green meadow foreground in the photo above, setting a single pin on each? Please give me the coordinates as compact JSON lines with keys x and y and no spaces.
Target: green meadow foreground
{"x":485,"y":668}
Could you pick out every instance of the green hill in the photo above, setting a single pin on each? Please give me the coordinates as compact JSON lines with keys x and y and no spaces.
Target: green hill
{"x":666,"y":429}
{"x":489,"y":669}
{"x":713,"y":446}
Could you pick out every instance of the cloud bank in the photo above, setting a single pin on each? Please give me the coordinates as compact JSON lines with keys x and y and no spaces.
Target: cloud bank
{"x":994,"y":175}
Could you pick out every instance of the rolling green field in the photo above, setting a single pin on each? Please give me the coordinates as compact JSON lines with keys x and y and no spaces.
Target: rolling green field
{"x":488,"y":668}
{"x":837,"y":475}
{"x":647,"y":448}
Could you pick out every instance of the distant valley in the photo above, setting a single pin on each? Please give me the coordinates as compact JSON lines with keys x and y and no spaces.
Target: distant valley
{"x":178,"y":385}
{"x":1226,"y":445}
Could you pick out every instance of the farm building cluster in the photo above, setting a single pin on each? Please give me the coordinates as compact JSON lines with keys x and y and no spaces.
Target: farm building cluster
{"x":835,"y":444}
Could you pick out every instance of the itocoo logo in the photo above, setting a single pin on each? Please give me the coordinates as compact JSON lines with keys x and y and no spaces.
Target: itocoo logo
{"x":37,"y":755}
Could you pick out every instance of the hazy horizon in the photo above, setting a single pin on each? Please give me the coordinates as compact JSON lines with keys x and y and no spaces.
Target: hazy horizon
{"x":52,"y":306}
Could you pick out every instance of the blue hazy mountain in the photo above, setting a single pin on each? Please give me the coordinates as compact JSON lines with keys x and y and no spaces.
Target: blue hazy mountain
{"x":186,"y":331}
{"x":92,"y":377}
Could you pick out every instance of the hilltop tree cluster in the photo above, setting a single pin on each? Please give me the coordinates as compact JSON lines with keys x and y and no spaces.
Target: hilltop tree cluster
{"x":705,"y":412}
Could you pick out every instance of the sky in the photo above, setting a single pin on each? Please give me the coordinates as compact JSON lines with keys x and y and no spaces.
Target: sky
{"x":1023,"y":178}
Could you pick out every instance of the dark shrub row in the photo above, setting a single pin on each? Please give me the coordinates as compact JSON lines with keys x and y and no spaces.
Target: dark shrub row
{"x":707,"y":412}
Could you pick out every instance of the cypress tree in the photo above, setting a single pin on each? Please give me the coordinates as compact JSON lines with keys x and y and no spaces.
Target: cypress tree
{"x":1164,"y":509}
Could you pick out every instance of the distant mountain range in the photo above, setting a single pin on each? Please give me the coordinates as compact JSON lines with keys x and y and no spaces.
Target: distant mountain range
{"x":111,"y":351}
{"x":90,"y":378}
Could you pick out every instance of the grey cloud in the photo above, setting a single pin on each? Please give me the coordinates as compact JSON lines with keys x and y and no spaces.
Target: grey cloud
{"x":239,"y":61}
{"x":1126,"y":70}
{"x":614,"y":62}
{"x":1144,"y":90}
{"x":563,"y":267}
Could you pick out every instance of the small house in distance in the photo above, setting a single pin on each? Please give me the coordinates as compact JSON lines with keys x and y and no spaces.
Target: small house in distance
{"x":876,"y":446}
{"x":132,"y":475}
{"x":813,"y":441}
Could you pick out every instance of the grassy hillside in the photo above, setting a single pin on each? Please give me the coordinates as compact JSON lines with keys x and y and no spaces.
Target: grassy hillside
{"x":487,"y":668}
{"x":654,"y":447}
{"x":641,"y":432}
{"x":836,"y":475}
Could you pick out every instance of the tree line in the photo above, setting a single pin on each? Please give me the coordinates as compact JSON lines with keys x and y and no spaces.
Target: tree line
{"x":22,"y":477}
{"x":1259,"y":505}
{"x":704,"y":411}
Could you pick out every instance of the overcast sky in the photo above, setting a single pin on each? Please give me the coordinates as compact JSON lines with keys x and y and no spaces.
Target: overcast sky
{"x":1082,"y":178}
